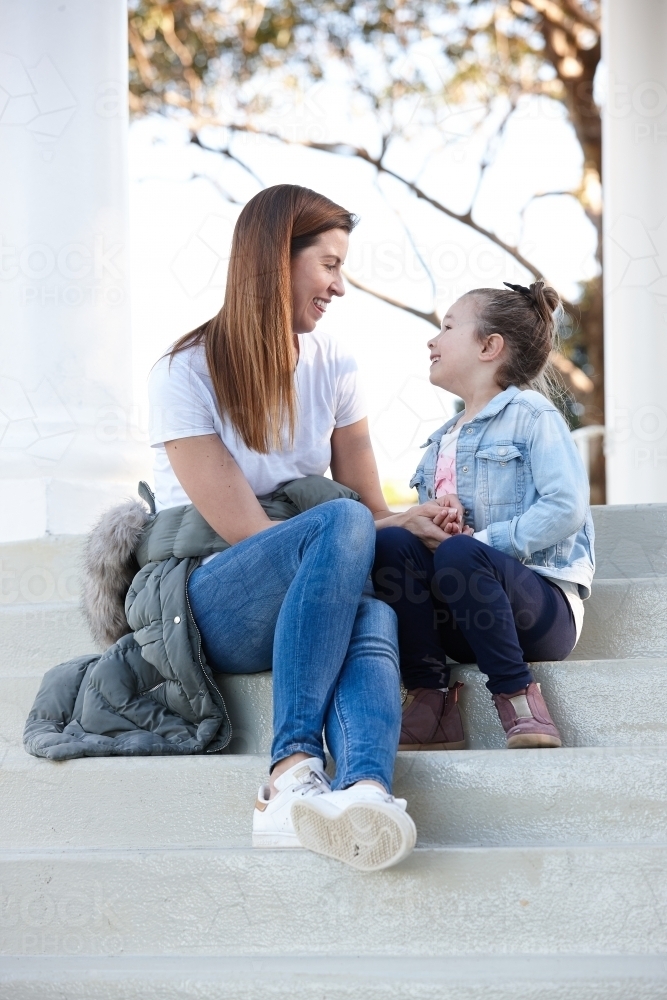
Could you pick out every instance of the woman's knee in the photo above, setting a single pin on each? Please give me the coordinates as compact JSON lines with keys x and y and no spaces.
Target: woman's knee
{"x":348,"y":514}
{"x":348,"y":524}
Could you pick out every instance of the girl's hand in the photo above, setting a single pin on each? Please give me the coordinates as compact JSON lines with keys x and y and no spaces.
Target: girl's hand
{"x":450,"y":519}
{"x":451,"y":500}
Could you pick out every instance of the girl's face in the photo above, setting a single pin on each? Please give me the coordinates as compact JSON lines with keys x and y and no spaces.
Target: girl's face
{"x":316,"y":278}
{"x":455,"y":350}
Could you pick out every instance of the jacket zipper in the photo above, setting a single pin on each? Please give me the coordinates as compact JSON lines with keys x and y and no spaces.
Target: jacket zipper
{"x":205,"y":669}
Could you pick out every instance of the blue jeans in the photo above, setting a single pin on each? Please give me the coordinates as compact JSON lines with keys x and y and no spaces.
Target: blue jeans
{"x":294,"y":599}
{"x":472,"y":603}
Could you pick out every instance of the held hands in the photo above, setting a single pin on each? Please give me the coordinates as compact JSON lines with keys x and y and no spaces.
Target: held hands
{"x":436,"y":521}
{"x":450,"y":517}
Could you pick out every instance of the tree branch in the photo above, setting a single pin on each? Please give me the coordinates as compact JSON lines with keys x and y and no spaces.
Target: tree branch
{"x":196,"y":141}
{"x":580,"y":14}
{"x":345,"y":149}
{"x":431,"y":317}
{"x":487,"y":159}
{"x":411,"y":239}
{"x":218,"y":187}
{"x":576,"y":381}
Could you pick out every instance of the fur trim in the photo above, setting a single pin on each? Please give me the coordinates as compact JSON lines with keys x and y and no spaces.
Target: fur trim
{"x":109,"y":566}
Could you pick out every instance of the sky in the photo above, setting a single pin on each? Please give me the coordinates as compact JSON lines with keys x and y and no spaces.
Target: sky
{"x":182,"y":213}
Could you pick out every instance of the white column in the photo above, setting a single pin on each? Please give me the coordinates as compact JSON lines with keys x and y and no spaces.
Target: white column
{"x":635,"y":249}
{"x":68,"y":444}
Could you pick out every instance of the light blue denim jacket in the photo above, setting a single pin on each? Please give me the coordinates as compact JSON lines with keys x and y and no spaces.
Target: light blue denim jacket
{"x":520,"y":476}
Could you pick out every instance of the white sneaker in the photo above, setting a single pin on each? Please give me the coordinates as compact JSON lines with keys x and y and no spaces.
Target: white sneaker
{"x":272,"y":820}
{"x":361,"y":825}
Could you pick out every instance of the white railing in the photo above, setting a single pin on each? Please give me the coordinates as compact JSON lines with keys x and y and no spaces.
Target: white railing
{"x":582,"y":437}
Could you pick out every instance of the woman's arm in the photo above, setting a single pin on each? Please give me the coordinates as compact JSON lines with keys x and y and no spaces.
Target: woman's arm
{"x":353,"y":464}
{"x":217,"y":487}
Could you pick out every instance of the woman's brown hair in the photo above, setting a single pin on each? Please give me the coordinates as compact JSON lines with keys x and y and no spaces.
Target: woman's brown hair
{"x":249,"y":348}
{"x":526,"y":318}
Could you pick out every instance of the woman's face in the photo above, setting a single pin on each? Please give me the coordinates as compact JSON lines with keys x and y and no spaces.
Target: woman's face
{"x":316,"y":278}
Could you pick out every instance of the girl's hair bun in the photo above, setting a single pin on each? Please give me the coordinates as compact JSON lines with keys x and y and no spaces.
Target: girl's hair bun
{"x":545,"y":296}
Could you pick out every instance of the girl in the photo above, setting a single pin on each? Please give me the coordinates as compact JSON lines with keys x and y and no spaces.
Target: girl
{"x":507,"y":584}
{"x":250,"y":401}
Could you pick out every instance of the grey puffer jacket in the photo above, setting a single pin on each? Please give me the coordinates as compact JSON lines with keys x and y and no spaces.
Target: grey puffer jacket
{"x":152,"y":691}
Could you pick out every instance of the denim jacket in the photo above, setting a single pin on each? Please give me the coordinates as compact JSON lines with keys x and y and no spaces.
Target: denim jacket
{"x":520,"y":476}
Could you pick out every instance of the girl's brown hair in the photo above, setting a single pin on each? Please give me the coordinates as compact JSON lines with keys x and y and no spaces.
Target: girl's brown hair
{"x":527,"y":321}
{"x":249,"y":348}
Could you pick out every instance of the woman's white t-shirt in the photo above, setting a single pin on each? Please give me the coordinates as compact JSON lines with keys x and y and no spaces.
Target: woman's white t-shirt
{"x":183,"y":404}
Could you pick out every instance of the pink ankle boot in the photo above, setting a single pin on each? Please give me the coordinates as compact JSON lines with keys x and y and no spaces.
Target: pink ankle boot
{"x":526,"y":720}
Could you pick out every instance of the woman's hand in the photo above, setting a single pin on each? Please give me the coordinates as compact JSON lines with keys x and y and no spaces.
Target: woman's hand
{"x":421,"y":521}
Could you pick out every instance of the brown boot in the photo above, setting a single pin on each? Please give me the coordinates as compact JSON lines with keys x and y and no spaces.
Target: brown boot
{"x":432,"y":720}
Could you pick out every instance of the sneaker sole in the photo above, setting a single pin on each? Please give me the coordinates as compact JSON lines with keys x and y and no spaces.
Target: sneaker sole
{"x":366,"y":836}
{"x":532,"y":740}
{"x":433,"y":746}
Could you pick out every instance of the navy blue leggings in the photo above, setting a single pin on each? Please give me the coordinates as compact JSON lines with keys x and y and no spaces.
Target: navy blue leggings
{"x":472,"y":603}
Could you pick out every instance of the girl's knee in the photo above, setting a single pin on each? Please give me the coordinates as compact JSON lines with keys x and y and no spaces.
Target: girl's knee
{"x":459,"y":551}
{"x":392,"y":543}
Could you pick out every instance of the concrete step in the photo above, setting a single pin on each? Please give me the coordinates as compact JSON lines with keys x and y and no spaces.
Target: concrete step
{"x":34,"y":637}
{"x":623,"y":619}
{"x":41,"y":570}
{"x":473,"y":798}
{"x":594,"y":703}
{"x":630,"y":540}
{"x":40,"y":623}
{"x":345,"y":977}
{"x":530,"y":901}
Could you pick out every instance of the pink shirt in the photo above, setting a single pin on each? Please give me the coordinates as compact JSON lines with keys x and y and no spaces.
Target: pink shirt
{"x":445,"y":469}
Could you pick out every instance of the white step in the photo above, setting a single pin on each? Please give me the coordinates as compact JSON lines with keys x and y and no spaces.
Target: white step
{"x":41,"y":570}
{"x":624,"y":618}
{"x":41,"y":624}
{"x":580,"y":900}
{"x":630,"y":540}
{"x":466,"y":798}
{"x":594,"y":703}
{"x":36,"y":637}
{"x":344,"y":977}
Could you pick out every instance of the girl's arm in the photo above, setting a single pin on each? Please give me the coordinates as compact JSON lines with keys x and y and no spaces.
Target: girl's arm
{"x":560,"y":479}
{"x":353,"y":464}
{"x":217,"y":487}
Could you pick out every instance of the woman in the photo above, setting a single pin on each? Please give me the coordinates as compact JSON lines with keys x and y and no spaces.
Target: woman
{"x":252,"y":400}
{"x":507,"y":586}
